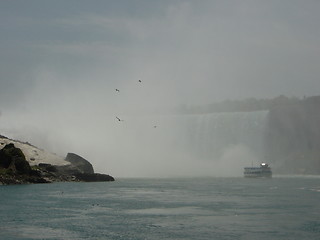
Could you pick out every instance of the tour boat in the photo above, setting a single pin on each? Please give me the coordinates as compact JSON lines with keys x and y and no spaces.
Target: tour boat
{"x":255,"y":172}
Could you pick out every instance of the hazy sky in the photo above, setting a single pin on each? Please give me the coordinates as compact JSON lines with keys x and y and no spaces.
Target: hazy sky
{"x":61,"y":60}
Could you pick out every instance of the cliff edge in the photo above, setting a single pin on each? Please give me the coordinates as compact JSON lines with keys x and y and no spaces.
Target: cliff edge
{"x":28,"y":164}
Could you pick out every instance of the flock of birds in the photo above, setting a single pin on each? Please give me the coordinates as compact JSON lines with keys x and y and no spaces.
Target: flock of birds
{"x":121,"y":120}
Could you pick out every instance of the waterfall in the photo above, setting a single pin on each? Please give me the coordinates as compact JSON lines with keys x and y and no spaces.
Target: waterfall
{"x":209,"y":144}
{"x":209,"y":136}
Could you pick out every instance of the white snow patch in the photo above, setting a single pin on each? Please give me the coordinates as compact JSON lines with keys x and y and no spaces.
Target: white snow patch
{"x":35,"y":155}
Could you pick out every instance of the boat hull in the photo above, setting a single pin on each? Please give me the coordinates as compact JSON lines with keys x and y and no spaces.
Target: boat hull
{"x":257,"y":175}
{"x":264,"y":171}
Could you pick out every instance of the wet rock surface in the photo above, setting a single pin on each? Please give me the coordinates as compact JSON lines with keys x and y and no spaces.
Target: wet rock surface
{"x":15,"y":169}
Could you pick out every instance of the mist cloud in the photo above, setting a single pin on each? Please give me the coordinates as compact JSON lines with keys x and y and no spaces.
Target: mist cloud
{"x":61,"y":63}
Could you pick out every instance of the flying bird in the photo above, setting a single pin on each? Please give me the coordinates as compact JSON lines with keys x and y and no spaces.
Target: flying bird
{"x":120,"y":120}
{"x":117,"y":90}
{"x":139,"y":81}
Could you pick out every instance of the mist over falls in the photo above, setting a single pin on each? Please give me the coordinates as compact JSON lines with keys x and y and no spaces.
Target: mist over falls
{"x":287,"y":136}
{"x":217,"y":144}
{"x":187,"y":81}
{"x":212,"y":136}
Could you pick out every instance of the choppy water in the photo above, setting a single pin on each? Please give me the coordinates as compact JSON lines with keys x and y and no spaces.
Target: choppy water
{"x":202,"y":208}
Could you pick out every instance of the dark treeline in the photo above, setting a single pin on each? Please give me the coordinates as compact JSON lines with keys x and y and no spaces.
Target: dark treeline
{"x":246,"y":105}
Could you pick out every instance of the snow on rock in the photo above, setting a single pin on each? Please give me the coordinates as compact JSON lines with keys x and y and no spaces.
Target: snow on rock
{"x":33,"y":154}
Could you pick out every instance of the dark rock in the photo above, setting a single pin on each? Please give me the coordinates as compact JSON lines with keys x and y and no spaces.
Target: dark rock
{"x":8,"y":179}
{"x":15,"y":169}
{"x":72,"y":173}
{"x":82,"y":164}
{"x":1,"y":136}
{"x":36,"y":179}
{"x":48,"y":167}
{"x":13,"y":158}
{"x":95,"y":177}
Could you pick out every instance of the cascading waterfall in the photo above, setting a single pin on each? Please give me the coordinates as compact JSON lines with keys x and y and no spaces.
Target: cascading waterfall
{"x":209,"y":136}
{"x":207,"y":144}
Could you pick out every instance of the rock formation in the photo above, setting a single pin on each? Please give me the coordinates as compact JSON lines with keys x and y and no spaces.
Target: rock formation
{"x":13,"y":159}
{"x":15,"y":169}
{"x":82,"y":164}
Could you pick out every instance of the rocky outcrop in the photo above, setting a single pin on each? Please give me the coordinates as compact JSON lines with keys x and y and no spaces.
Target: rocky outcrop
{"x":13,"y":159}
{"x":33,"y":154}
{"x":94,"y":177}
{"x":15,"y":169}
{"x":82,"y":170}
{"x":83,"y":165}
{"x":71,"y":173}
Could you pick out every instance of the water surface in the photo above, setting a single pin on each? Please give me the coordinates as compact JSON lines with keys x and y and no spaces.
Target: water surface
{"x":190,"y":208}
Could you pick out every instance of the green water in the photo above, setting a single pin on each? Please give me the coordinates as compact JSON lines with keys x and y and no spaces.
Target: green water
{"x":191,"y":208}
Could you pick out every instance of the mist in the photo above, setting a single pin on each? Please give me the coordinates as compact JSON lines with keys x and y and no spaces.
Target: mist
{"x":61,"y":66}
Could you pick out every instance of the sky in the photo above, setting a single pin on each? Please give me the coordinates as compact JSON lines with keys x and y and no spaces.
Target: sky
{"x":62,"y":60}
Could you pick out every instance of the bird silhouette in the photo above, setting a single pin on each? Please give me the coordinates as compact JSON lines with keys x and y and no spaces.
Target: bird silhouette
{"x":139,"y":81}
{"x":120,"y":120}
{"x":117,"y":90}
